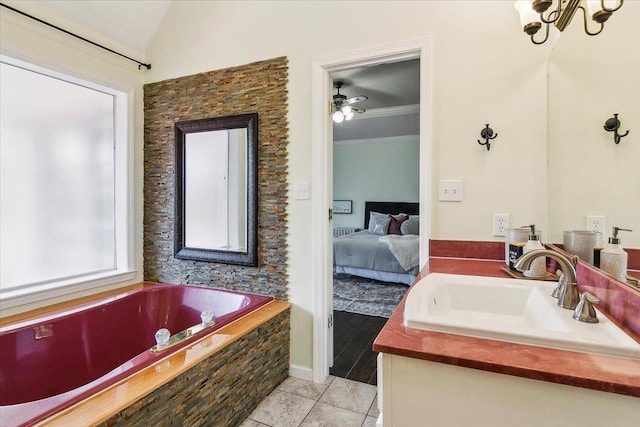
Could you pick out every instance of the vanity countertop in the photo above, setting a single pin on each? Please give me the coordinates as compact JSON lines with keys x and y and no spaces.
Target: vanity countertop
{"x":609,"y":374}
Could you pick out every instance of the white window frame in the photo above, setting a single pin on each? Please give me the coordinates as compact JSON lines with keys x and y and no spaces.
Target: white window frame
{"x":123,"y":186}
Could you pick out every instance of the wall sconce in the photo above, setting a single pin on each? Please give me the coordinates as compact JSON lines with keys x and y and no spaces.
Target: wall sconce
{"x":612,"y":125}
{"x":532,"y":14}
{"x":487,"y":134}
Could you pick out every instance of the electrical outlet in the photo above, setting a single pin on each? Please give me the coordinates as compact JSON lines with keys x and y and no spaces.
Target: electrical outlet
{"x":500,"y":224}
{"x":595,"y":223}
{"x":450,"y":191}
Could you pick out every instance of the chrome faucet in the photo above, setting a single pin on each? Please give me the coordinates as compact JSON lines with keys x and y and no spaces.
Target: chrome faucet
{"x":43,"y":331}
{"x":567,"y":290}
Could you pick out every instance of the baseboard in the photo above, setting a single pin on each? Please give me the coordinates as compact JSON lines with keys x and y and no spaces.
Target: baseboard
{"x":301,"y":372}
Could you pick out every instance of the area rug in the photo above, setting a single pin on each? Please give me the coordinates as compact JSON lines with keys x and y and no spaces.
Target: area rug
{"x":366,"y":296}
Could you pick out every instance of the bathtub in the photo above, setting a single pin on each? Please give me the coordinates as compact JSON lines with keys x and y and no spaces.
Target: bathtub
{"x":55,"y":361}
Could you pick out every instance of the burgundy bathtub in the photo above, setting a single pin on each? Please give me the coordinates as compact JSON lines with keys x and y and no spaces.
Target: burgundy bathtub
{"x":89,"y":347}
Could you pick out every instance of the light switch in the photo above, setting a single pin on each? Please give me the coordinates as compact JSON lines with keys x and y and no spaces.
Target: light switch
{"x":450,"y":191}
{"x":301,"y":191}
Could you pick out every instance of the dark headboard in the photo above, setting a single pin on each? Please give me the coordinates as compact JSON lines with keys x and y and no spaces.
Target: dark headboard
{"x":394,"y":208}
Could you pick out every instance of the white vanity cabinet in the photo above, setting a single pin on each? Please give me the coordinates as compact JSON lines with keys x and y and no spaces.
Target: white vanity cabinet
{"x":420,"y":393}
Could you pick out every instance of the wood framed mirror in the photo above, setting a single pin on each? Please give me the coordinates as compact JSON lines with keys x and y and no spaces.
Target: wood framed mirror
{"x":216,"y":204}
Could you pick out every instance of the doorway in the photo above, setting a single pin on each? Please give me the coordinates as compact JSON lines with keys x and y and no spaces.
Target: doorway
{"x":376,"y":156}
{"x":322,"y":177}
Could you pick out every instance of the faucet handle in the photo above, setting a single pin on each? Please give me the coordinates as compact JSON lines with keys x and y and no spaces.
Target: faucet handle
{"x":162,"y":337}
{"x":584,"y":311}
{"x":206,"y":317}
{"x":590,"y":297}
{"x":562,"y":282}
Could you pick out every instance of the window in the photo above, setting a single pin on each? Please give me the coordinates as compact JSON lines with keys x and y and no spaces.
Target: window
{"x":63,"y":181}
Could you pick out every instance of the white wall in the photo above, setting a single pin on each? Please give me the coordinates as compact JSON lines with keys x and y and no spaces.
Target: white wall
{"x":27,"y":40}
{"x":484,"y":71}
{"x":375,"y":171}
{"x":590,"y":79}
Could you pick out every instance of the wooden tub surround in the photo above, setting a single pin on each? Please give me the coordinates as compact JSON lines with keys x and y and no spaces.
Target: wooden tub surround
{"x":216,"y":380}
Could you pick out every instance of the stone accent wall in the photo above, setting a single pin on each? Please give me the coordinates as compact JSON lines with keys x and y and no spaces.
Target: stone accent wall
{"x":222,"y":390}
{"x":258,"y":87}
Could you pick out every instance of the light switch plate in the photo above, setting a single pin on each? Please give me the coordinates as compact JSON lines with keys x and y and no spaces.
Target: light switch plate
{"x":450,"y":191}
{"x":301,"y":191}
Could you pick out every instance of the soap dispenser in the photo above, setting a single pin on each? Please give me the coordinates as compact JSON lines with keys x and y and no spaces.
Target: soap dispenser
{"x":613,"y":259}
{"x":538,"y":268}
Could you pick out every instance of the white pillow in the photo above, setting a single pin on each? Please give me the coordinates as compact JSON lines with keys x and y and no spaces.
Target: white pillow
{"x":410,"y":226}
{"x":372,"y":219}
{"x":380,"y":225}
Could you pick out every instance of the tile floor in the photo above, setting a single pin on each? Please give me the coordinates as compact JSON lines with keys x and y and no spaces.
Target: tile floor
{"x":339,"y":402}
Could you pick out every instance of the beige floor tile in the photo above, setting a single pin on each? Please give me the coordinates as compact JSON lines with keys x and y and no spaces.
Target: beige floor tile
{"x":350,"y":395}
{"x":330,"y":380}
{"x":251,"y":423}
{"x":323,"y":415}
{"x":370,"y":422}
{"x":373,"y":410}
{"x":281,"y":409}
{"x":303,"y":388}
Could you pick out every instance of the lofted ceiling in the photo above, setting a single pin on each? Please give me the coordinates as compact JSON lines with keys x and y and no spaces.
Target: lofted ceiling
{"x":393,"y":90}
{"x":132,"y":23}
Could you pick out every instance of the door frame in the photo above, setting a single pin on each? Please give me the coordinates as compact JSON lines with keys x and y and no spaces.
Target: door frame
{"x":322,"y":175}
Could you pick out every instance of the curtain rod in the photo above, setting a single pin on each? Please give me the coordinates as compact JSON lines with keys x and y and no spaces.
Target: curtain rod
{"x":140,"y":64}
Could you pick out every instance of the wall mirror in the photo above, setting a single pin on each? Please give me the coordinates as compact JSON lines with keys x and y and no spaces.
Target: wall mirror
{"x":588,"y":173}
{"x":216,"y":189}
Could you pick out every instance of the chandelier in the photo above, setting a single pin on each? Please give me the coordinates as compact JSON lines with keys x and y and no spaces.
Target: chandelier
{"x":533,"y":13}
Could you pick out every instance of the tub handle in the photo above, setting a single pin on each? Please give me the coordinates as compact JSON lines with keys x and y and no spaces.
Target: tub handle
{"x":162,"y":337}
{"x":43,"y":331}
{"x":206,"y":317}
{"x":167,"y":340}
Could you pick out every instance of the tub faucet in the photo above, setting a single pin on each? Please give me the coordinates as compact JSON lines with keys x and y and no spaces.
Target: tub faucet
{"x":568,"y":296}
{"x":43,"y":331}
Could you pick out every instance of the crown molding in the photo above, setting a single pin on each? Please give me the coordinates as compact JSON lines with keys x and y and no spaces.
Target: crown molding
{"x":382,"y":140}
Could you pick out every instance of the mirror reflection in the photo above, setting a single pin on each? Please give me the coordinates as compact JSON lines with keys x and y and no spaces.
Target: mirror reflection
{"x":590,"y":80}
{"x":216,"y":198}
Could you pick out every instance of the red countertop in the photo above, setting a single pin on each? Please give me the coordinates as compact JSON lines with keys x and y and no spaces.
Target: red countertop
{"x":610,"y":374}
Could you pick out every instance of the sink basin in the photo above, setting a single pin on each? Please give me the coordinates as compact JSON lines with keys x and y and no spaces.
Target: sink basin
{"x":512,"y":310}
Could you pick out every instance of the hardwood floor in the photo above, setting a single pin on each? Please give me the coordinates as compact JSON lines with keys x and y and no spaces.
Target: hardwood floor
{"x":353,"y":336}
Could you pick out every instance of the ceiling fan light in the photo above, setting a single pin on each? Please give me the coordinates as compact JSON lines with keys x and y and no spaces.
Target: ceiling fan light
{"x":349,"y":115}
{"x":346,"y":110}
{"x":338,"y":117}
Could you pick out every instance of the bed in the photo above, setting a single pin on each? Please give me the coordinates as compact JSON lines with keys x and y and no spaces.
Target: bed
{"x":374,"y":253}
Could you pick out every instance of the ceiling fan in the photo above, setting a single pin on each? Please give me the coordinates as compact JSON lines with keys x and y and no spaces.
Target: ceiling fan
{"x":342,"y":108}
